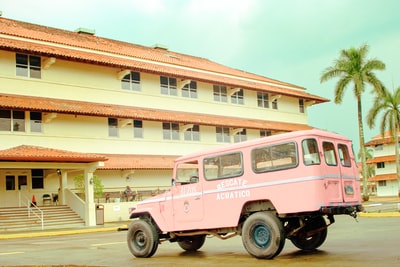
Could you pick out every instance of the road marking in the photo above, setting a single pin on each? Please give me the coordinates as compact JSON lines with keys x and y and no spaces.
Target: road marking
{"x":106,"y":244}
{"x":11,"y":253}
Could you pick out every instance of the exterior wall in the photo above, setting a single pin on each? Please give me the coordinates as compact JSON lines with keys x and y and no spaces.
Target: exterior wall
{"x":390,"y":189}
{"x":386,"y":187}
{"x":89,"y":134}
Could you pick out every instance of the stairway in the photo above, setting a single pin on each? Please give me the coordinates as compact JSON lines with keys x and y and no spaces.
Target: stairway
{"x":17,"y":219}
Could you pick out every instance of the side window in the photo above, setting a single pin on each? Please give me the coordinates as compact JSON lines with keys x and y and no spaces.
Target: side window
{"x":310,"y":152}
{"x":187,"y":172}
{"x":223,"y":166}
{"x":344,"y":155}
{"x":329,"y":153}
{"x":275,"y":157}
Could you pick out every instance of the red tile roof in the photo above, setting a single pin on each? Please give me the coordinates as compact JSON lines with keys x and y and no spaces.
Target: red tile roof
{"x":129,"y":162}
{"x":69,"y":45}
{"x":383,"y":177}
{"x":105,"y":110}
{"x":42,"y":154}
{"x":381,"y":140}
{"x":390,"y":158}
{"x":26,"y":153}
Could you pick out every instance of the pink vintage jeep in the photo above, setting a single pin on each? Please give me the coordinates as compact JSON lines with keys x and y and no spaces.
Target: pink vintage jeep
{"x":266,"y":190}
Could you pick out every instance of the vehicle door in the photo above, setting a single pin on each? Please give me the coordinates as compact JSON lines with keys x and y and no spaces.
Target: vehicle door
{"x":348,"y":172}
{"x":332,"y":175}
{"x":187,"y":195}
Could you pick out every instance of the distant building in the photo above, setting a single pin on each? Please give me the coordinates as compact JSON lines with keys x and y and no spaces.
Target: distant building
{"x":384,"y":161}
{"x":75,"y":103}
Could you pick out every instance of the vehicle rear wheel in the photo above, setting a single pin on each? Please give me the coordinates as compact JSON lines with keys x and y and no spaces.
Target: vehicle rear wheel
{"x":305,"y":241}
{"x":192,"y":243}
{"x":142,"y":239}
{"x":263,"y":235}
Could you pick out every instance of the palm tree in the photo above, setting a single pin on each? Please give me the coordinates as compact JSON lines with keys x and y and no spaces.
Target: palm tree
{"x":389,"y":104}
{"x":352,"y":67}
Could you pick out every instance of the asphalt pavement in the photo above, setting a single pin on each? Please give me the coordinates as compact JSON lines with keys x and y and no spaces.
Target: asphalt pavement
{"x":375,"y":207}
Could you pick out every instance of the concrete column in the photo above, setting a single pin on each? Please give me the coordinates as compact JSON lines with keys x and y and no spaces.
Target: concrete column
{"x":63,"y":184}
{"x":90,"y":209}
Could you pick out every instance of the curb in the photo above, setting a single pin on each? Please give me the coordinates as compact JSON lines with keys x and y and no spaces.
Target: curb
{"x":379,"y":215}
{"x":57,"y":232}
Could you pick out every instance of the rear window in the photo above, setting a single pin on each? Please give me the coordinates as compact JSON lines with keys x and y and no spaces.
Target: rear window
{"x":274,"y":157}
{"x":344,"y":155}
{"x":310,"y":152}
{"x":329,"y":153}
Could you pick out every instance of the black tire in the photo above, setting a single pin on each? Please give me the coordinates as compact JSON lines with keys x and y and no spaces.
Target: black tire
{"x":263,"y":235}
{"x":309,"y":243}
{"x":142,"y":239}
{"x":192,"y":243}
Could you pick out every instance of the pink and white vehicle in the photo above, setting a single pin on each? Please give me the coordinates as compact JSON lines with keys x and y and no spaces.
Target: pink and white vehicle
{"x":266,"y":190}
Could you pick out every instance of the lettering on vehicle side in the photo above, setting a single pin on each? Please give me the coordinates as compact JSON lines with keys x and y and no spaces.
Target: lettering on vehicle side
{"x":230,"y":183}
{"x":233,"y":194}
{"x":188,"y":189}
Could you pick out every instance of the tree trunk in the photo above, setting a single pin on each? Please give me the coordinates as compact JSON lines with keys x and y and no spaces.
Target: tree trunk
{"x":365,"y":195}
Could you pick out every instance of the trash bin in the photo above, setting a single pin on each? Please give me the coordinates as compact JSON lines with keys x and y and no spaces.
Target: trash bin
{"x":99,"y":214}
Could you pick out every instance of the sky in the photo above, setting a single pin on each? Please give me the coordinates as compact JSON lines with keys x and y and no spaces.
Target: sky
{"x":289,"y":40}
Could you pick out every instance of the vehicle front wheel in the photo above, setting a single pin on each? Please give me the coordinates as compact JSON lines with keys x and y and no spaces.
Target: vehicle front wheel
{"x":142,"y":239}
{"x":263,"y":235}
{"x":312,"y":235}
{"x":192,"y":243}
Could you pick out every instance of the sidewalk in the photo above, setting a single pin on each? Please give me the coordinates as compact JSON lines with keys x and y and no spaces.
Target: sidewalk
{"x":107,"y":227}
{"x":381,"y":207}
{"x":375,"y":207}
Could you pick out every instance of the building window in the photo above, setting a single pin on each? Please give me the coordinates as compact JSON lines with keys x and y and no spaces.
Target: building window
{"x":112,"y":127}
{"x":275,"y":104}
{"x":264,"y":133}
{"x":37,"y":179}
{"x":168,"y":86}
{"x":131,"y":81}
{"x":380,"y":165}
{"x":137,"y":128}
{"x":382,"y":183}
{"x":240,"y":136}
{"x":301,"y":105}
{"x":237,"y":98}
{"x":223,"y":135}
{"x":220,"y":93}
{"x":170,"y":131}
{"x":12,"y":120}
{"x":378,"y":147}
{"x":28,"y":66}
{"x":36,"y":122}
{"x":192,"y":134}
{"x":190,"y":90}
{"x":262,"y":100}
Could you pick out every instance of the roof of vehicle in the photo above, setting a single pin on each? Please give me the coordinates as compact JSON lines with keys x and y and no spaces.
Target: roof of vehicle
{"x":269,"y":139}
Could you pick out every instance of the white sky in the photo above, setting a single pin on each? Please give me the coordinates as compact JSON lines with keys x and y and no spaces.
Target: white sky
{"x":288,"y":40}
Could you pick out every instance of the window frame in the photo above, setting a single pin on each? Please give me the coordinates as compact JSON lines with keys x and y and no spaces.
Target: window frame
{"x":170,"y":130}
{"x":168,"y":86}
{"x":257,"y":152}
{"x":220,"y":93}
{"x":131,"y":82}
{"x":262,"y":100}
{"x":190,"y":90}
{"x":219,"y":158}
{"x":29,"y":66}
{"x":238,"y":97}
{"x":220,"y":135}
{"x":192,"y":134}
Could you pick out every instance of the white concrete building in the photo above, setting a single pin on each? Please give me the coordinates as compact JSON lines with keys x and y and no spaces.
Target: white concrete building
{"x":385,"y":180}
{"x":75,"y":103}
